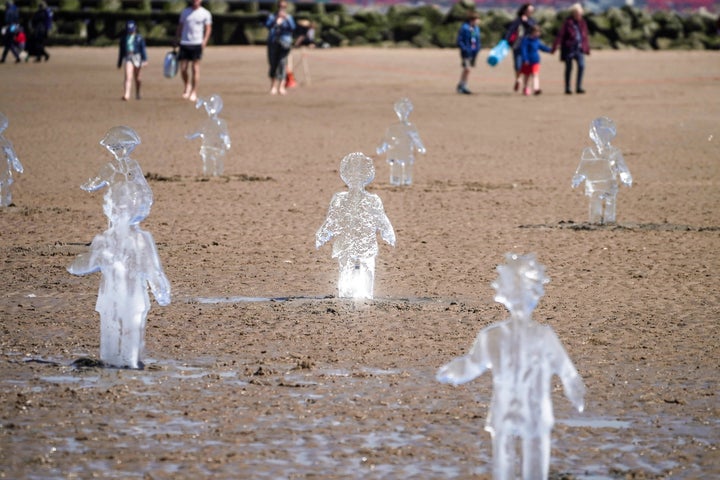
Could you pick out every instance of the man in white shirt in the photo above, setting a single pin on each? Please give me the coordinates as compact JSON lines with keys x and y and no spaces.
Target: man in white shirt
{"x":193,"y":33}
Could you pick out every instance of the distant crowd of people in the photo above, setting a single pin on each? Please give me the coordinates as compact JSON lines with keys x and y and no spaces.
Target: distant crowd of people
{"x":523,"y":39}
{"x":195,"y":28}
{"x":16,"y":41}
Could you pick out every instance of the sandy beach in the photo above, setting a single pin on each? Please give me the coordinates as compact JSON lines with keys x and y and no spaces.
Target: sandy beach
{"x":257,"y":370}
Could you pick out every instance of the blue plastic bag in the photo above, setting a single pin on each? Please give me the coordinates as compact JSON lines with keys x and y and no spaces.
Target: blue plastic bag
{"x":498,"y":53}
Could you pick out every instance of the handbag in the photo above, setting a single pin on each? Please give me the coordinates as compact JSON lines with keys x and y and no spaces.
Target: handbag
{"x":170,"y":67}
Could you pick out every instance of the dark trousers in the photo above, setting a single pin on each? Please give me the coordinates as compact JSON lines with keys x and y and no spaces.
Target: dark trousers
{"x":580,"y":59}
{"x":277,"y":58}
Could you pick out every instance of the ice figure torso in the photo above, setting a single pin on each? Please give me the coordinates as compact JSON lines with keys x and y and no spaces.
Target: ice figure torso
{"x":523,"y":358}
{"x":214,"y":133}
{"x":354,"y":218}
{"x":401,"y":140}
{"x":598,"y":169}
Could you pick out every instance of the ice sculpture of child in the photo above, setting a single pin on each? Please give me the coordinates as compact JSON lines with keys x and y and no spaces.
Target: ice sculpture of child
{"x":599,"y":168}
{"x":214,"y":135}
{"x":523,"y":356}
{"x":400,"y":142}
{"x":10,"y":163}
{"x":354,"y":218}
{"x":125,"y":255}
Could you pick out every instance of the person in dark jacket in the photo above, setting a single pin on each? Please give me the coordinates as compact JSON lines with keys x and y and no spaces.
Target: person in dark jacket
{"x":468,"y":41}
{"x":40,"y":25}
{"x":516,"y":31}
{"x":132,"y":56}
{"x":574,"y":45}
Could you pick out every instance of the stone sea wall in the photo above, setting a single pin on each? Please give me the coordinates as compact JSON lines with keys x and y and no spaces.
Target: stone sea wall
{"x":100,"y":22}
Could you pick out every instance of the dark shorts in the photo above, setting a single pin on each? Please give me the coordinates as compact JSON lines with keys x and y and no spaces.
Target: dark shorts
{"x":190,"y":52}
{"x":467,"y":62}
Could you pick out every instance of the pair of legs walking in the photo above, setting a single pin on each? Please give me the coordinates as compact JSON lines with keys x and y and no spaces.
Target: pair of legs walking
{"x":132,"y":73}
{"x":191,"y":82}
{"x":580,"y":60}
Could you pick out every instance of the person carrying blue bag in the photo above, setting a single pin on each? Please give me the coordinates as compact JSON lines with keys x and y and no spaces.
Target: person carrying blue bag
{"x":468,"y":41}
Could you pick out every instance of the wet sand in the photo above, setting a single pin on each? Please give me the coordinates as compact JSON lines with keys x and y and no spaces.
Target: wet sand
{"x":257,"y":370}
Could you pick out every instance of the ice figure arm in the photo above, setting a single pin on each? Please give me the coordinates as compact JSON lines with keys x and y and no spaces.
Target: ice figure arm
{"x":153,"y":271}
{"x":460,"y":370}
{"x":103,"y":179}
{"x":88,"y":262}
{"x":466,"y":368}
{"x":621,"y":168}
{"x":226,"y":140}
{"x":572,"y":382}
{"x":415,"y":136}
{"x":387,"y":232}
{"x":383,"y":147}
{"x":192,"y":136}
{"x":160,"y":287}
{"x":12,"y":157}
{"x":577,"y":179}
{"x":330,"y":227}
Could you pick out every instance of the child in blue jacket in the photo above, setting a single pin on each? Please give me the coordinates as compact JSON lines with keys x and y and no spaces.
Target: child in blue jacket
{"x":468,"y":40}
{"x":530,"y":52}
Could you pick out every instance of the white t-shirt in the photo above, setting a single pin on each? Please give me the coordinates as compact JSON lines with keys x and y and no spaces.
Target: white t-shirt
{"x":193,"y":25}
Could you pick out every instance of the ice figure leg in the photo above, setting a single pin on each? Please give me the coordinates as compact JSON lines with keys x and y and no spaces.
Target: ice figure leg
{"x":356,"y":278}
{"x":111,"y":340}
{"x":407,"y":173}
{"x":536,"y":457}
{"x":207,"y":168}
{"x":133,"y":339}
{"x":596,"y":208}
{"x":503,"y":457}
{"x":610,"y":208}
{"x":395,"y":172}
{"x":5,"y":195}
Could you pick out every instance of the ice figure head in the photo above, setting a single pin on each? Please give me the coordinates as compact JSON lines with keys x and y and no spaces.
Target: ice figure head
{"x":602,"y":131}
{"x":357,"y":170}
{"x":121,"y":141}
{"x":403,"y":107}
{"x":519,"y":285}
{"x":3,"y":122}
{"x":213,"y":104}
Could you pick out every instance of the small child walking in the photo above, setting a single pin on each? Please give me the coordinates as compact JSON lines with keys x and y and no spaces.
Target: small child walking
{"x":468,"y":40}
{"x":530,"y":52}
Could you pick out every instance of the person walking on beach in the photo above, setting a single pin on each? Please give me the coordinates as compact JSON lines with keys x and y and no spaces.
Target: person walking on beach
{"x":192,"y":34}
{"x":530,"y":53}
{"x":40,"y":25}
{"x":468,"y":41}
{"x":517,"y":30}
{"x":132,"y":56}
{"x":279,"y":43}
{"x":574,"y":45}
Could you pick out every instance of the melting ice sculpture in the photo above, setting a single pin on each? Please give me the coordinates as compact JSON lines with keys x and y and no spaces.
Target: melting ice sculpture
{"x":354,"y":218}
{"x":9,"y":164}
{"x":599,"y":168}
{"x":400,"y":142}
{"x":523,"y":356}
{"x":214,"y":135}
{"x":125,"y":255}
